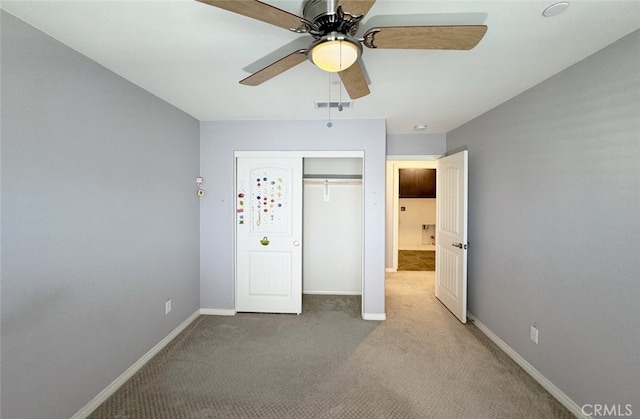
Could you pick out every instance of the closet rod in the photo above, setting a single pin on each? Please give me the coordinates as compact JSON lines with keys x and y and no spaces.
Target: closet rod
{"x":332,"y":177}
{"x":325,"y":181}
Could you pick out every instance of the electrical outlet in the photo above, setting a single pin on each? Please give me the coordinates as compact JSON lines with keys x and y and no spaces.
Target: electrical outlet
{"x":167,"y":307}
{"x":533,"y":333}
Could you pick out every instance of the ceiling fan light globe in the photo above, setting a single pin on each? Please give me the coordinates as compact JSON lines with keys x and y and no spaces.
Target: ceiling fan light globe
{"x":334,"y":55}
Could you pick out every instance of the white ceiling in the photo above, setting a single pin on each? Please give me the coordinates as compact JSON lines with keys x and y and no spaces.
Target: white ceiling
{"x":192,"y":55}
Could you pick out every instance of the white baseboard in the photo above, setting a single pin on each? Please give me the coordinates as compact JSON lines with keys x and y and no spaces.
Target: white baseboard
{"x":374,"y":316}
{"x":217,"y":312}
{"x":314,"y":292}
{"x":87,"y":409}
{"x":541,"y":379}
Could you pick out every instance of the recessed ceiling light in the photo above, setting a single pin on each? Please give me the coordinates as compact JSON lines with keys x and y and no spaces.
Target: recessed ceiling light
{"x":555,"y":9}
{"x":420,"y":127}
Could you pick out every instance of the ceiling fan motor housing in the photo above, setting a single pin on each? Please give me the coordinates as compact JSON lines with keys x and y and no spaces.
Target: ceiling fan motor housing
{"x":313,"y":9}
{"x":325,"y":16}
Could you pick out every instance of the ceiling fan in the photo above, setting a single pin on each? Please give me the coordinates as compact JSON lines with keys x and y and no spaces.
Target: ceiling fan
{"x":335,"y":48}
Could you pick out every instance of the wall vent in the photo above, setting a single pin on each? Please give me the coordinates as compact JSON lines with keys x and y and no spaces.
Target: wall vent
{"x":334,"y":105}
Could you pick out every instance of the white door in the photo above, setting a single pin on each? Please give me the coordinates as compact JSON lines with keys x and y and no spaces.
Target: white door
{"x":269,"y":234}
{"x":451,"y":234}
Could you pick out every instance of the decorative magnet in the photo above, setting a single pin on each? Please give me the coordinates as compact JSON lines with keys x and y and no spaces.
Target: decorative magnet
{"x":264,"y":241}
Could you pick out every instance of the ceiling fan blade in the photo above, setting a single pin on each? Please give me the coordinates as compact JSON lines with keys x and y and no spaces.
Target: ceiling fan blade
{"x":295,"y":45}
{"x":461,"y":37}
{"x":357,"y":7}
{"x":354,"y":81}
{"x":258,"y":10}
{"x":276,"y":68}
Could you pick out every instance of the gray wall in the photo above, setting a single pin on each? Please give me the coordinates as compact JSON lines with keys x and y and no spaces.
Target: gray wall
{"x":416,"y":144}
{"x":99,"y":224}
{"x":218,"y":142}
{"x":553,"y":224}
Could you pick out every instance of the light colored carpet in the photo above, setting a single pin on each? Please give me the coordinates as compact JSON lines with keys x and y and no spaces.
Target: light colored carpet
{"x":328,"y":363}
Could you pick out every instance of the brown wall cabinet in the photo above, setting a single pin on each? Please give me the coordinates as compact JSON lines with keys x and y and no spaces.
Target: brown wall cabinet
{"x":417,"y":183}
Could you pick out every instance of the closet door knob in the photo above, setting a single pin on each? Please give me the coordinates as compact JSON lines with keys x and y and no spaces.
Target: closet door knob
{"x":296,"y":243}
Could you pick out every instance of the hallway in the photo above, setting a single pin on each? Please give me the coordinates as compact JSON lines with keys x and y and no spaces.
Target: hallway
{"x":465,"y":375}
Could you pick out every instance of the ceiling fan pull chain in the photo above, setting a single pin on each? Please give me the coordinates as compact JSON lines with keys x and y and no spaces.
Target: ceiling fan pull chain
{"x":340,"y":94}
{"x":329,"y":124}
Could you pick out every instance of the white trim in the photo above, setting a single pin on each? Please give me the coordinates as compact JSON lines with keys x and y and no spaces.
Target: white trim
{"x":94,"y":403}
{"x":316,"y":292}
{"x":390,"y":270}
{"x":414,"y":157}
{"x":374,"y":316}
{"x":299,"y":153}
{"x":217,"y":312}
{"x":541,"y":379}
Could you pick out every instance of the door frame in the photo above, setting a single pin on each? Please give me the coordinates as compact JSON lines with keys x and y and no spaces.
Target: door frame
{"x":302,"y":154}
{"x":394,"y":164}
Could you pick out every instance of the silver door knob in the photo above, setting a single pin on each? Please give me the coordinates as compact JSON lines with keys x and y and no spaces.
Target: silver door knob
{"x":296,"y":243}
{"x":457,"y":245}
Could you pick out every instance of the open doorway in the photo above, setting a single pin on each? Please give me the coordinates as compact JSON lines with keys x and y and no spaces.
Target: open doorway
{"x":411,"y":216}
{"x":451,"y":227}
{"x":416,"y":219}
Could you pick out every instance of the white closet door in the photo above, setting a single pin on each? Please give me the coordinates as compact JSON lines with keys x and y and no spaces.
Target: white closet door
{"x":269,"y":235}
